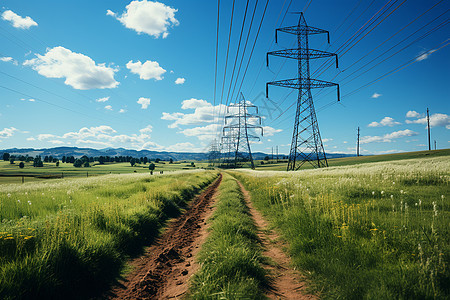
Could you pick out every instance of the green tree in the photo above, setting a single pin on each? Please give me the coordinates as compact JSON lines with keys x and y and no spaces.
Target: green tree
{"x":86,"y":164}
{"x":132,"y":162}
{"x":157,"y":160}
{"x":78,"y":163}
{"x":151,"y":166}
{"x":21,"y":165}
{"x":11,"y":161}
{"x":57,"y":163}
{"x":6,"y":156}
{"x":171,"y":161}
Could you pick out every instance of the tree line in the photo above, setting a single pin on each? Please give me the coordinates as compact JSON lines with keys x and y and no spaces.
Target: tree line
{"x":84,"y":161}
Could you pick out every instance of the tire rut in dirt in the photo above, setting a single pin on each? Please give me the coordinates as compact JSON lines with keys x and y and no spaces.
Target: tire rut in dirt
{"x":166,"y":261}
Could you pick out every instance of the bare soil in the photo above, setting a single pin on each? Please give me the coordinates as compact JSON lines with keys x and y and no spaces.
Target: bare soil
{"x":164,"y":270}
{"x":286,"y":283}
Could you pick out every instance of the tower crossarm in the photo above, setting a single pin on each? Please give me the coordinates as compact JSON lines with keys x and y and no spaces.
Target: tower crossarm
{"x":302,"y":54}
{"x":301,"y":29}
{"x":295,"y":83}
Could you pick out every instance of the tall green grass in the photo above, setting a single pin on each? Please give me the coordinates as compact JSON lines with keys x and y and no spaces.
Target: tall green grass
{"x":231,"y":257}
{"x":374,"y":231}
{"x":70,"y":238}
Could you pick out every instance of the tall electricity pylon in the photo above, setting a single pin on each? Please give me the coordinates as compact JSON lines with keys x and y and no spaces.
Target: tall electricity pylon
{"x":241,"y":122}
{"x":306,"y":143}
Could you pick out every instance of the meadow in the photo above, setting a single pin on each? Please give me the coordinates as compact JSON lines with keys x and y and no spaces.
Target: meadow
{"x":71,"y":237}
{"x":370,"y":231}
{"x":11,"y":173}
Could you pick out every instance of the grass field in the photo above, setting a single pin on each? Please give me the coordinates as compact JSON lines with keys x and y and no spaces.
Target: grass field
{"x":353,"y":160}
{"x":370,"y":231}
{"x":12,"y":173}
{"x":70,"y":237}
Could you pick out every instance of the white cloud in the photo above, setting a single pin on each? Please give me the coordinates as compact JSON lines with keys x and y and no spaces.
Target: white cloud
{"x":326,"y":140}
{"x":194,"y":103}
{"x":104,"y":99}
{"x":7,"y":132}
{"x":183,"y":147}
{"x":144,"y":102}
{"x":412,"y":114}
{"x":203,"y":113}
{"x":93,"y":143}
{"x":56,"y":142}
{"x":269,"y":131}
{"x":386,"y":121}
{"x":89,"y":132}
{"x":387,"y":138}
{"x":31,"y":139}
{"x":146,"y":130}
{"x":45,"y":136}
{"x":376,"y":95}
{"x":79,"y":70}
{"x":18,"y":21}
{"x":180,"y":80}
{"x":436,"y":120}
{"x":9,"y":59}
{"x":425,"y":55}
{"x":203,"y":133}
{"x":108,"y":107}
{"x":152,"y":18}
{"x":147,"y":70}
{"x":121,"y":111}
{"x":110,"y":13}
{"x":31,"y":100}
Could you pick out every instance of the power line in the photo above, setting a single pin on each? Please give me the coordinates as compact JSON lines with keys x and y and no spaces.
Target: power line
{"x":237,"y":52}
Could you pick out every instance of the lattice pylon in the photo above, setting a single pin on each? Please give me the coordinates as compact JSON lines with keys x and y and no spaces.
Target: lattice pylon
{"x":306,"y":145}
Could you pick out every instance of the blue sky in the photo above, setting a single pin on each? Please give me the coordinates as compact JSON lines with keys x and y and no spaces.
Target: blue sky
{"x":140,"y":74}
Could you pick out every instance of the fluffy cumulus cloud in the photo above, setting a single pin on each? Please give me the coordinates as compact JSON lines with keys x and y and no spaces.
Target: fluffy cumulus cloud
{"x":101,"y":136}
{"x":412,"y":114}
{"x":180,"y":80}
{"x":9,"y":59}
{"x":376,"y":95}
{"x":203,"y":133}
{"x":386,"y":121}
{"x":436,"y":120}
{"x":108,"y":107}
{"x":149,"y":17}
{"x":204,"y":112}
{"x":387,"y":138}
{"x":205,"y":116}
{"x":18,"y":21}
{"x":144,"y":102}
{"x":7,"y":132}
{"x":147,"y":70}
{"x":183,"y":147}
{"x":270,"y":131}
{"x":79,"y":70}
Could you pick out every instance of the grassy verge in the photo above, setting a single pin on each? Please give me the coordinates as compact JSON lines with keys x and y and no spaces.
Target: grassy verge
{"x":373,"y":231}
{"x":230,"y":258}
{"x":70,"y":238}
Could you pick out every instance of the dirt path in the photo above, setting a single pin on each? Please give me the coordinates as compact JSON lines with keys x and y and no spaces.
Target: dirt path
{"x":164,"y":270}
{"x":286,"y":282}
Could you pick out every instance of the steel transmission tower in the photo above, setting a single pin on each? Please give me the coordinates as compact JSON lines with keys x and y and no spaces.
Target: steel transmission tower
{"x":241,"y":122}
{"x":306,"y":143}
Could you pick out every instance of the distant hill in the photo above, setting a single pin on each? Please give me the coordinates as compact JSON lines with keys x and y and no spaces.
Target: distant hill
{"x":59,"y":152}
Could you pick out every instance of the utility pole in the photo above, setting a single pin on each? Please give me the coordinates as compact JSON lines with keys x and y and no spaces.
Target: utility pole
{"x":429,"y":138}
{"x":435,"y":145}
{"x":272,"y":153}
{"x":357,"y":144}
{"x":306,"y":145}
{"x":277,"y":153}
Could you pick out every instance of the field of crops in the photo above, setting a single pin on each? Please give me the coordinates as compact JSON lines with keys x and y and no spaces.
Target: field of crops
{"x":370,"y":231}
{"x":75,"y":234}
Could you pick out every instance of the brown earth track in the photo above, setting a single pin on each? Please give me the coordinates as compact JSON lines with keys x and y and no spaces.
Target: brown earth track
{"x":286,"y":283}
{"x":164,"y":270}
